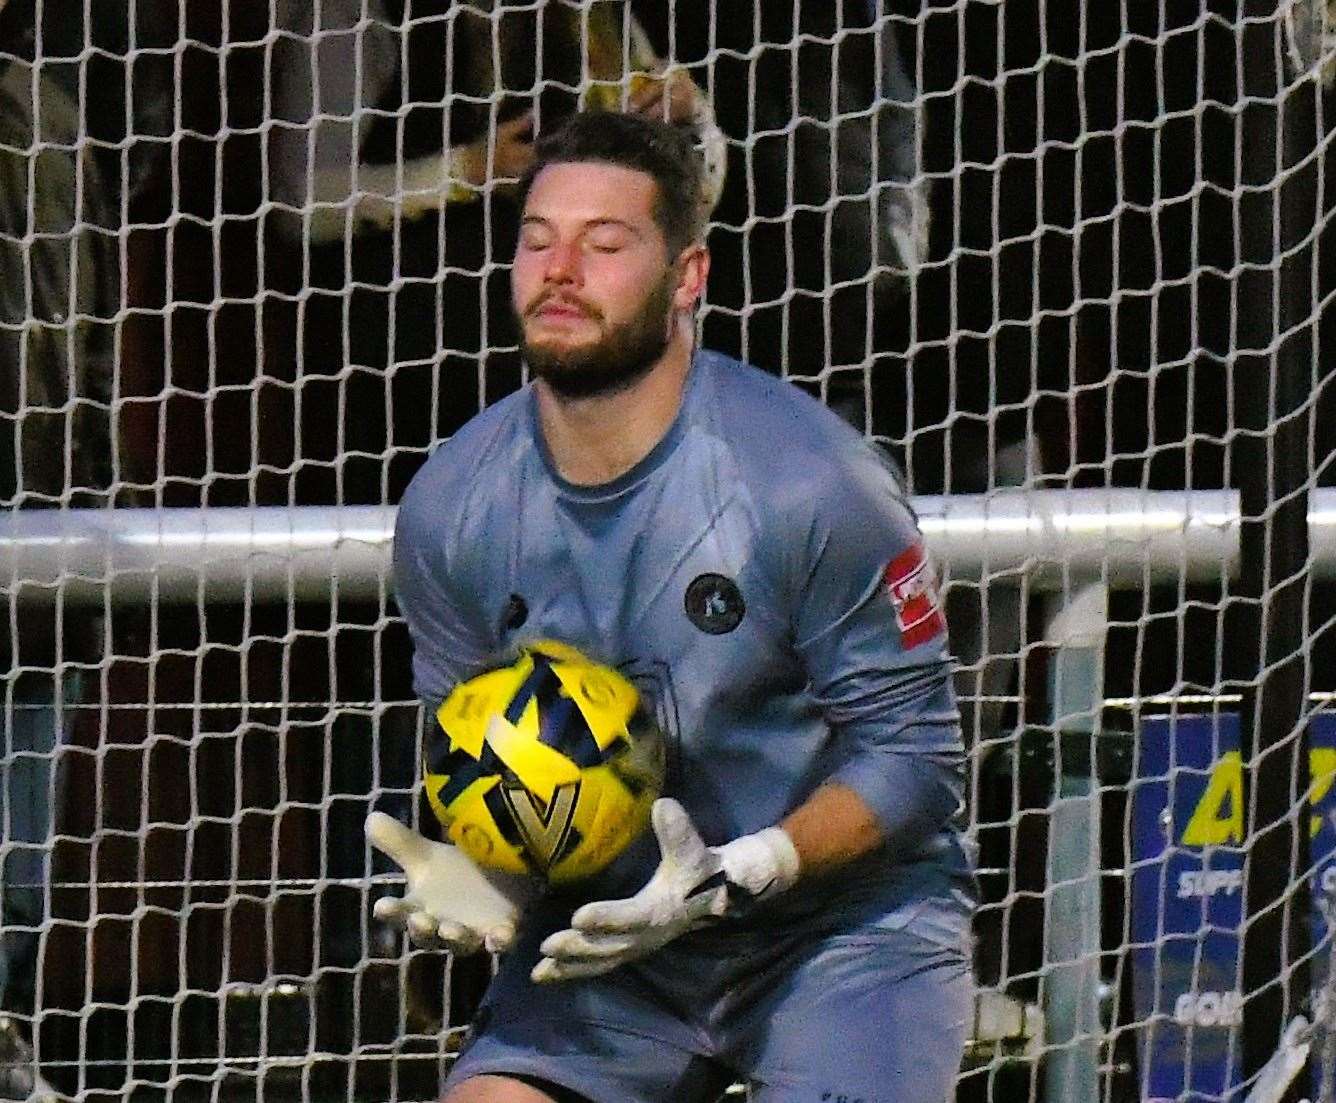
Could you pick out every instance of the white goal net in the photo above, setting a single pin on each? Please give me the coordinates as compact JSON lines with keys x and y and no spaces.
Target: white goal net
{"x":1068,"y":262}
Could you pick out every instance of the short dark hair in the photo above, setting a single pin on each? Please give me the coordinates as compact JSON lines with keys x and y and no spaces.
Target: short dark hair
{"x":661,"y":151}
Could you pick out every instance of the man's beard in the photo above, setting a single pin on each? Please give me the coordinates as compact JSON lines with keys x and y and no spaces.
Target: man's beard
{"x":621,"y":357}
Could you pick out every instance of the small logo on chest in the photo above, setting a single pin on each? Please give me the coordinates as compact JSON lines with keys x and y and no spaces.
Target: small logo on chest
{"x":714,"y":604}
{"x":514,"y":614}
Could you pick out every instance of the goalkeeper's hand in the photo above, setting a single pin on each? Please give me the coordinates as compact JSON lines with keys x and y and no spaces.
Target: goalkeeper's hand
{"x":694,"y":885}
{"x":450,"y":903}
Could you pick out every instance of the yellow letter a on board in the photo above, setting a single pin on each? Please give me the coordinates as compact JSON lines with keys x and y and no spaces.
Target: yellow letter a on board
{"x":1218,"y":817}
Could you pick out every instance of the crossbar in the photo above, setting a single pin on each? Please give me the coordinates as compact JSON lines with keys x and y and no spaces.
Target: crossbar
{"x":1126,"y":538}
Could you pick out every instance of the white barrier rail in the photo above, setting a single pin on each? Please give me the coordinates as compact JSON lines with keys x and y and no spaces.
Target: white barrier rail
{"x":1127,"y":538}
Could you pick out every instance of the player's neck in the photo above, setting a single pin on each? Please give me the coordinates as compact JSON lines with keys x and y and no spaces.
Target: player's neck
{"x":595,"y":440}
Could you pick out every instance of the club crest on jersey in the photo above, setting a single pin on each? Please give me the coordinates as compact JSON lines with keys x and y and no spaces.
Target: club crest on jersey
{"x":912,"y":585}
{"x":515,"y":613}
{"x":714,"y":604}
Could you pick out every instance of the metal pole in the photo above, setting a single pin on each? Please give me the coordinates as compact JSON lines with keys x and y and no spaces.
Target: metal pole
{"x":1272,"y":459}
{"x":1072,"y":916}
{"x":1130,"y":538}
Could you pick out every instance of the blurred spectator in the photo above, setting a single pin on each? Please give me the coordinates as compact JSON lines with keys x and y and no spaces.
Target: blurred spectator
{"x":59,"y":270}
{"x":55,"y":377}
{"x":334,"y":71}
{"x":393,"y":128}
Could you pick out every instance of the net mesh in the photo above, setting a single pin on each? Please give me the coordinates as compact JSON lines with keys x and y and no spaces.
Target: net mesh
{"x":255,"y":254}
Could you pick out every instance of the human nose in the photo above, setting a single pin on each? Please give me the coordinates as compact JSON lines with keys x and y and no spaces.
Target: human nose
{"x":562,"y":262}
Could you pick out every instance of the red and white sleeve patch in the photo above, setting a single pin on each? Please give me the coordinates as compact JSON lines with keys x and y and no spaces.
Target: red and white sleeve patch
{"x":912,"y":586}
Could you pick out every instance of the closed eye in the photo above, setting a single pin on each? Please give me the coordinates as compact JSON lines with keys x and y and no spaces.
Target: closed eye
{"x":608,"y":236}
{"x":534,"y":237}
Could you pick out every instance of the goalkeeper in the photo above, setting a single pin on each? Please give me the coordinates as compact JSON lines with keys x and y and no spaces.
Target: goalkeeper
{"x":799,"y":915}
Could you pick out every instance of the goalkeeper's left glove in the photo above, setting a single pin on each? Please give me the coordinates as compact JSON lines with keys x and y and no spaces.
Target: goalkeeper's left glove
{"x":693,"y":886}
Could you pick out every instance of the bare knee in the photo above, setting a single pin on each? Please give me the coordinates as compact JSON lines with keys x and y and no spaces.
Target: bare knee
{"x":495,"y":1089}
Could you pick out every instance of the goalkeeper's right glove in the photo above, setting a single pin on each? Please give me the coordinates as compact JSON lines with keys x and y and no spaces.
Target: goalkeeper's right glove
{"x":450,"y":902}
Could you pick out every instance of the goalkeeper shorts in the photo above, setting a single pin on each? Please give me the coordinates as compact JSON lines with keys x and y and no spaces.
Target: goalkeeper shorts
{"x":875,"y":1016}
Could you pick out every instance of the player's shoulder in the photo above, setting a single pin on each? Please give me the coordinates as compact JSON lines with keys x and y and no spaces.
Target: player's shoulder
{"x":471,"y":462}
{"x":790,"y":440}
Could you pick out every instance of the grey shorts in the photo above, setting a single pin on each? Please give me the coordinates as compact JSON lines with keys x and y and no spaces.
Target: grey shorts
{"x":870,"y":1017}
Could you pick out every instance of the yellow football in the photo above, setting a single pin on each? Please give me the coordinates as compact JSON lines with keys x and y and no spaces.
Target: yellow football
{"x":548,"y":766}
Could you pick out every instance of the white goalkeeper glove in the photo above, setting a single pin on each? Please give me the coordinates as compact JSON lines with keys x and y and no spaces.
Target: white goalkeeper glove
{"x":450,"y":903}
{"x":693,"y":886}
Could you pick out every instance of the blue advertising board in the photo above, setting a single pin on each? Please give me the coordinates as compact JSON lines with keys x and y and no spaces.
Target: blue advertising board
{"x":1187,"y":897}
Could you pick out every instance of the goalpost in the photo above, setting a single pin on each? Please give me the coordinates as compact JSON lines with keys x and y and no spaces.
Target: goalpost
{"x":1067,"y":262}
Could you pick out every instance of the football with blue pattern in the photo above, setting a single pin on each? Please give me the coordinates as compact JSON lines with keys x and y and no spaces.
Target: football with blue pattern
{"x":547,"y":766}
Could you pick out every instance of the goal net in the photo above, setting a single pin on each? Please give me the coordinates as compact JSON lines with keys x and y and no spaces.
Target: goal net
{"x":1068,"y":262}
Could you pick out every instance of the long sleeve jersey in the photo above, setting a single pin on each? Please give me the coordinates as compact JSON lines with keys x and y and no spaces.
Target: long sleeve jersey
{"x":761,"y":576}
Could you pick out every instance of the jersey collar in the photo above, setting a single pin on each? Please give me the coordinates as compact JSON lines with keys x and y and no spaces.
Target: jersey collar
{"x":644,"y":468}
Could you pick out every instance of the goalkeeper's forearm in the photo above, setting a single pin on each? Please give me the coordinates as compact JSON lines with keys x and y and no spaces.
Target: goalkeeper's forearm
{"x":833,"y":826}
{"x":919,"y":793}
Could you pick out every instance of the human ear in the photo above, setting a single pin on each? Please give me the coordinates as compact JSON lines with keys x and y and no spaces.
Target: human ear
{"x":693,"y":268}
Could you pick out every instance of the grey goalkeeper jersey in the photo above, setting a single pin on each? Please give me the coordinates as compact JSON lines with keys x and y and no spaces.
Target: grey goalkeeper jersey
{"x":761,"y":577}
